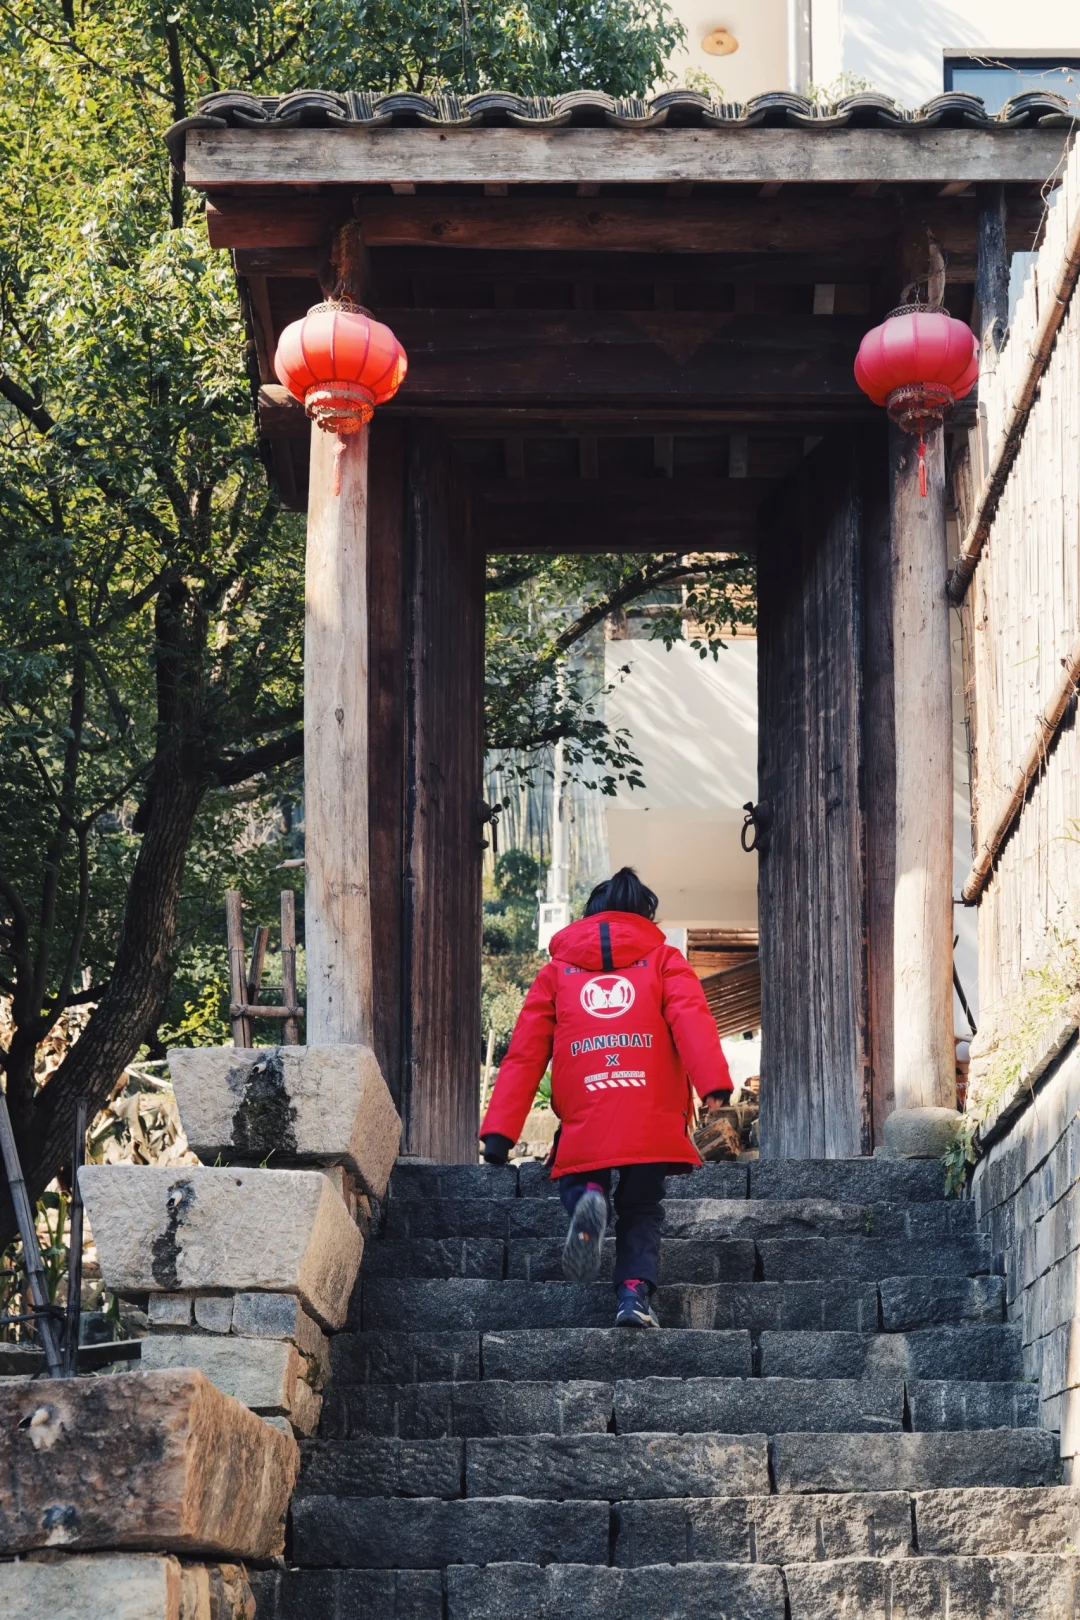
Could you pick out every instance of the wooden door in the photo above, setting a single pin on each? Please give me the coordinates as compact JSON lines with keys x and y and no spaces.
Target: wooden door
{"x":816,"y":1094}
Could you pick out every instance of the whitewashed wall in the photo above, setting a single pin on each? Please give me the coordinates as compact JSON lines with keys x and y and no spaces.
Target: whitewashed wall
{"x":899,"y":49}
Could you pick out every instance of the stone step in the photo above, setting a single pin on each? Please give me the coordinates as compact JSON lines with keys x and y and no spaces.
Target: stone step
{"x":382,"y":1468}
{"x":616,"y":1467}
{"x":389,"y":1533}
{"x":762,"y":1529}
{"x":665,"y":1592}
{"x":870,"y":1259}
{"x":849,"y":1181}
{"x":682,"y":1260}
{"x":871,"y":1524}
{"x":983,"y":1352}
{"x":819,"y":1405}
{"x":436,"y":1257}
{"x":707,"y":1181}
{"x":709,"y":1218}
{"x":487,"y":1407}
{"x":415,"y":1179}
{"x":369,"y":1533}
{"x":758,"y":1405}
{"x":913,"y":1462}
{"x":1035,"y":1586}
{"x":1019,"y":1586}
{"x":688,"y":1260}
{"x":407,"y":1358}
{"x":907,"y":1303}
{"x":967,"y":1404}
{"x":614,"y":1353}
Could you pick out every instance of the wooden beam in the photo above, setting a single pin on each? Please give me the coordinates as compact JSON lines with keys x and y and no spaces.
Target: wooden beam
{"x":718,"y":224}
{"x":620,"y":514}
{"x":353,"y":156}
{"x":529,"y":358}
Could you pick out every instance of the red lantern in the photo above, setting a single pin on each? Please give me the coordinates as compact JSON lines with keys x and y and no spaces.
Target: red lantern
{"x":918,"y":363}
{"x":340,"y":363}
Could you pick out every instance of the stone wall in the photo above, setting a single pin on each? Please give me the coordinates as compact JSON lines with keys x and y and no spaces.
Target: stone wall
{"x":1026,"y":1193}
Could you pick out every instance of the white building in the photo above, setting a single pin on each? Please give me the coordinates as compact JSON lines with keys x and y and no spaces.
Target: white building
{"x":910,"y":52}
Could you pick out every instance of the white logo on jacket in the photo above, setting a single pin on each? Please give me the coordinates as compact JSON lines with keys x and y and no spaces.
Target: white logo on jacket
{"x":607,"y":996}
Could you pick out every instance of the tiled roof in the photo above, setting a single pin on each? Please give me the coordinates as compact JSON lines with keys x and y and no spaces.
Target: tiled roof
{"x":593,"y":108}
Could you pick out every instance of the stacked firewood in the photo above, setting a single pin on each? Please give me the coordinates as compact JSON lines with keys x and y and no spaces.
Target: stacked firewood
{"x":725,"y":1133}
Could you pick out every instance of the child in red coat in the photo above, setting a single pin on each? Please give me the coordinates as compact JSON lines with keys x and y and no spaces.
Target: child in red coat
{"x":621,"y":1017}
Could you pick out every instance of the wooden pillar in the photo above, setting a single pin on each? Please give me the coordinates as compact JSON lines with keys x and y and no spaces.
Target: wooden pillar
{"x":443,"y":788}
{"x":386,"y":739}
{"x":879,"y":752}
{"x":337,"y":912}
{"x":924,"y":1056}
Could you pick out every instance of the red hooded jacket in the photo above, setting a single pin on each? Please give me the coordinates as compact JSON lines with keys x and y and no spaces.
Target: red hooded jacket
{"x":622,"y":1019}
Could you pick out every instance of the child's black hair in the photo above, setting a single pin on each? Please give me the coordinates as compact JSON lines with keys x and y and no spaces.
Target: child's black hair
{"x":623,"y":892}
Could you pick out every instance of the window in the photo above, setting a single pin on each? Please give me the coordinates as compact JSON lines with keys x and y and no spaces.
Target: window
{"x":997,"y":78}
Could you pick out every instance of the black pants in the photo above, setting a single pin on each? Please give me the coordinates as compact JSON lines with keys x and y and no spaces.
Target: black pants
{"x":639,"y":1215}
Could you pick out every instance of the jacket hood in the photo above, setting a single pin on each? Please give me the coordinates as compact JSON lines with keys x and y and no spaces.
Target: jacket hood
{"x":609,"y":939}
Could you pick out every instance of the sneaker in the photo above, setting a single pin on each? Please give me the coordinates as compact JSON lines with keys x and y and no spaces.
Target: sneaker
{"x":583,"y":1251}
{"x":634,"y":1309}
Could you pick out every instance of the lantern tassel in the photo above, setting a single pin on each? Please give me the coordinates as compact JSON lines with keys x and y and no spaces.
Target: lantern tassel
{"x":340,"y":451}
{"x":922,"y":462}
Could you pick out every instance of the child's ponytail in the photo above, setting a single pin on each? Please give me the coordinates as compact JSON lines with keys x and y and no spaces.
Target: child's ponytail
{"x":623,"y":892}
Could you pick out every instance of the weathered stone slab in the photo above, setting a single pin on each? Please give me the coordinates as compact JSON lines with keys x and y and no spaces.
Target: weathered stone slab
{"x":762,"y":1529}
{"x":721,"y":1219}
{"x":157,"y":1460}
{"x":411,"y":1358}
{"x":921,"y":1302}
{"x":867,"y":1259}
{"x":166,"y":1230}
{"x":1038,"y":1587}
{"x":882,"y":1462}
{"x":297,"y":1102}
{"x":679,"y":1592}
{"x":455,"y":1217}
{"x":435,"y":1257}
{"x":966,"y":1404}
{"x":979,"y":1351}
{"x":385,"y":1468}
{"x":707,"y":1181}
{"x":758,"y":1405}
{"x":614,"y":1353}
{"x":682,"y":1260}
{"x":618,"y":1466}
{"x":262,"y":1373}
{"x":418,"y":1305}
{"x":992,"y":1520}
{"x":485,"y":1407}
{"x":394,"y":1533}
{"x":848,"y":1181}
{"x":350,"y":1594}
{"x":132,"y":1586}
{"x":416,"y":1179}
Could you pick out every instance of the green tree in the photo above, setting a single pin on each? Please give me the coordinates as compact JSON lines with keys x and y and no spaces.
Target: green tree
{"x":150,"y":617}
{"x":542,"y":609}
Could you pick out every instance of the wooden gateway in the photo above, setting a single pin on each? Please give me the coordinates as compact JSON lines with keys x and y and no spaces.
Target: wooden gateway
{"x":630,"y":326}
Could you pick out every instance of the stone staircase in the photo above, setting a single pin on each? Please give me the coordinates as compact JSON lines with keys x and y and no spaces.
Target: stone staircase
{"x":832,"y":1423}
